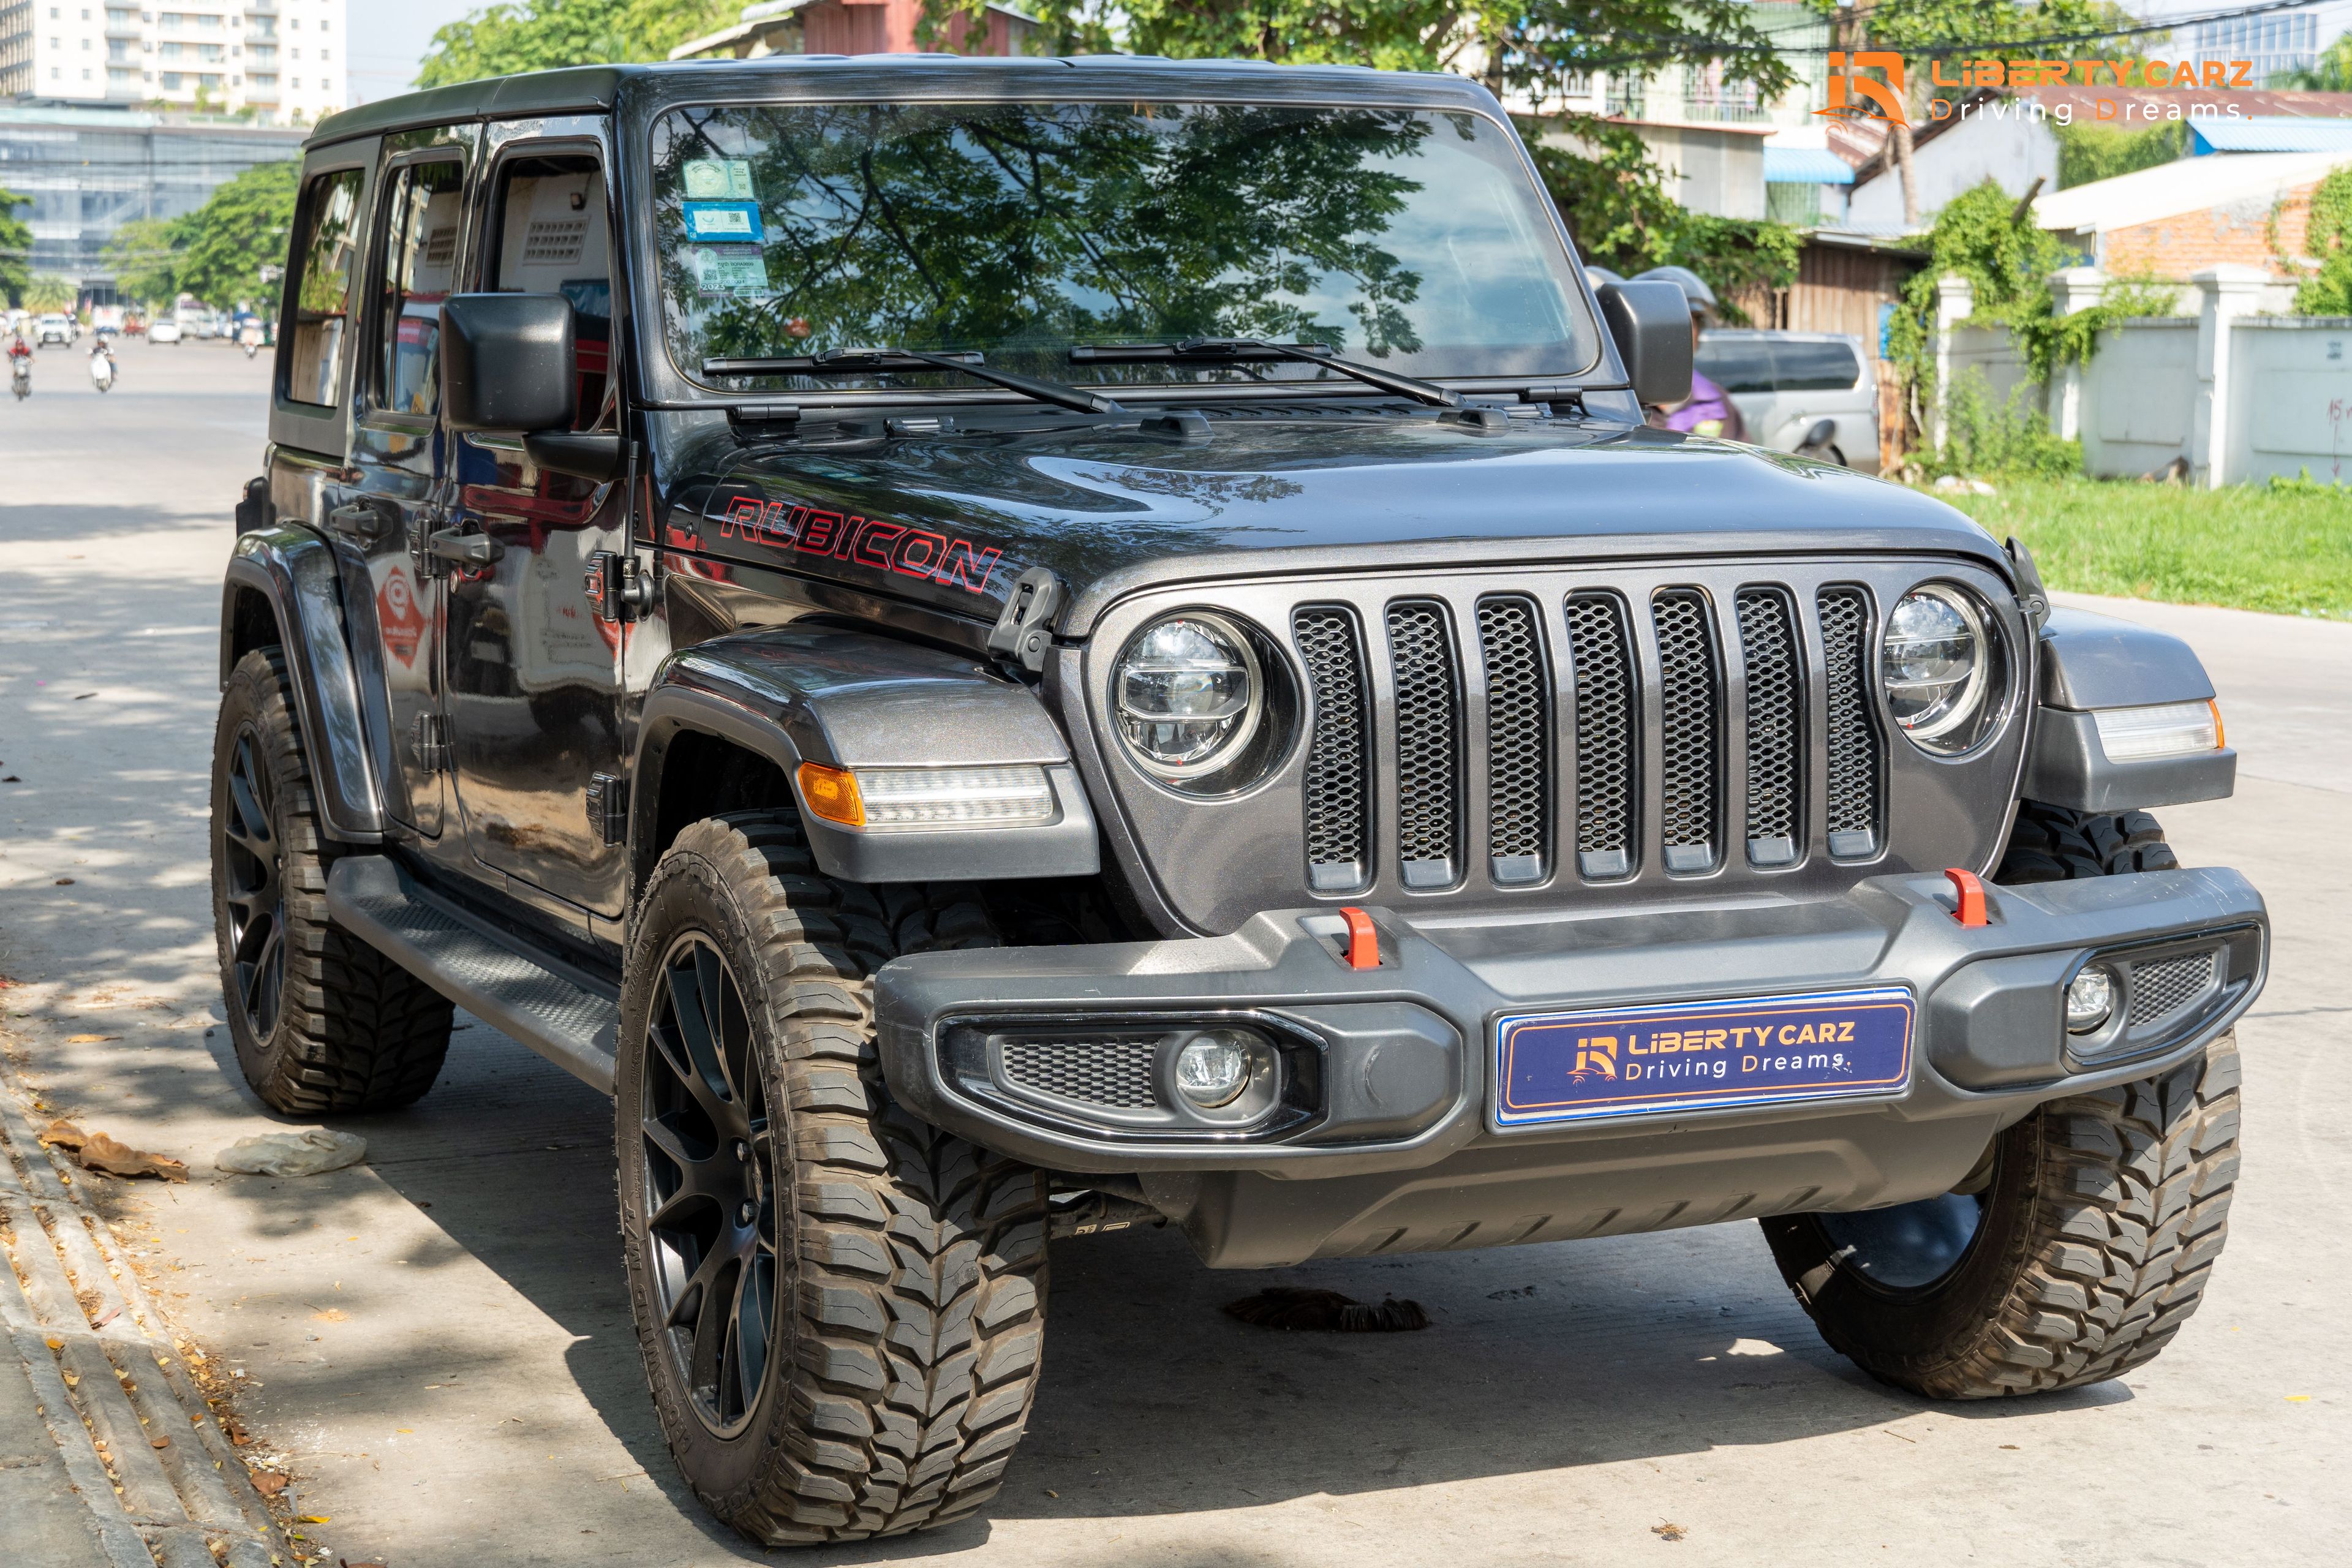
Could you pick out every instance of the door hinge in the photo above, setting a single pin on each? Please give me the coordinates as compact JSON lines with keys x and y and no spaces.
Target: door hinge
{"x":618,"y":588}
{"x":608,"y":807}
{"x":428,"y":739}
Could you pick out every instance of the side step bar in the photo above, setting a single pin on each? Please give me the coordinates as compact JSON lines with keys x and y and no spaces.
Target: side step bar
{"x":566,"y":1016}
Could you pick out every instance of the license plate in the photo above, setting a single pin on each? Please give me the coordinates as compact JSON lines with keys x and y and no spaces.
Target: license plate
{"x":1692,"y":1056}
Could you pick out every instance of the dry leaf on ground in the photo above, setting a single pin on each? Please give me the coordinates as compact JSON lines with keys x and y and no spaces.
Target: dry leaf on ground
{"x":118,"y":1158}
{"x":1668,"y":1531}
{"x":64,"y":1134}
{"x":269,"y":1483}
{"x":90,"y":1039}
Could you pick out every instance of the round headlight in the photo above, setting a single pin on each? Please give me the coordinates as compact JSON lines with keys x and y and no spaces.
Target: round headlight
{"x":1188,"y":694}
{"x":1937,"y":665}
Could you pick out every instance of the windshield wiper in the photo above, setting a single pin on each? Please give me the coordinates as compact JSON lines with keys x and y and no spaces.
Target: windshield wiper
{"x":1229,"y":349}
{"x":853,"y":362}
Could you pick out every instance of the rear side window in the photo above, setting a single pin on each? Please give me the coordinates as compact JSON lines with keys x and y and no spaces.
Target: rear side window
{"x":1736,"y":365}
{"x":1802,"y":366}
{"x":420,"y":259}
{"x":326,"y":249}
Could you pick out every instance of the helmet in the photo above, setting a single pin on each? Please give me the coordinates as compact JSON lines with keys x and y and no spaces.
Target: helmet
{"x":1600,"y":277}
{"x":1693,"y":287}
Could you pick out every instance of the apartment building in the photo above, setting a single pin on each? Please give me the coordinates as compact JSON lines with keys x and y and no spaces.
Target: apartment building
{"x":282,"y":62}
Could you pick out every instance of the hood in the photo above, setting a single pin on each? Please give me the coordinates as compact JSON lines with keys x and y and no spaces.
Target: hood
{"x":953,"y":520}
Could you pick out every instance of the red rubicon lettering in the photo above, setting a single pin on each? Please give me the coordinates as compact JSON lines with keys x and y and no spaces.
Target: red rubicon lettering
{"x":967,"y":568}
{"x":742,"y":520}
{"x":918,"y":554}
{"x":821,"y":530}
{"x":875,"y":537}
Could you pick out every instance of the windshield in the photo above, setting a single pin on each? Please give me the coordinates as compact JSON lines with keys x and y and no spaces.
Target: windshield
{"x":1413,"y":240}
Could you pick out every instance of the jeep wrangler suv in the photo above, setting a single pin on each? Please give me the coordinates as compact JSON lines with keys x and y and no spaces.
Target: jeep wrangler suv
{"x":1000,"y":649}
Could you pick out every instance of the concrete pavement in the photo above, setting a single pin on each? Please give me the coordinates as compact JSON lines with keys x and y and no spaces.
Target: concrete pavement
{"x":440,"y":1339}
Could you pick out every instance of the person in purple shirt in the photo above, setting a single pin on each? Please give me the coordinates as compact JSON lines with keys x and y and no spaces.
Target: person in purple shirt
{"x":1708,"y":411}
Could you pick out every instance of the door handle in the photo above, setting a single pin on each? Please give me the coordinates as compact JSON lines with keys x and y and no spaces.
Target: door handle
{"x":463,"y":549}
{"x":360,"y":521}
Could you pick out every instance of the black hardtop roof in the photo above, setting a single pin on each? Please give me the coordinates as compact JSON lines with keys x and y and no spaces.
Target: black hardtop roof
{"x":593,"y":89}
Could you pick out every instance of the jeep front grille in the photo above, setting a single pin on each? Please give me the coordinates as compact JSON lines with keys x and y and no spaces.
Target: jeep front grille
{"x":1719,"y":699}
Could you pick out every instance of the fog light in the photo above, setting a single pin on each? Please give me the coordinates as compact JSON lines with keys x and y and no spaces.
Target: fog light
{"x":1213,"y":1066}
{"x":2090,"y":997}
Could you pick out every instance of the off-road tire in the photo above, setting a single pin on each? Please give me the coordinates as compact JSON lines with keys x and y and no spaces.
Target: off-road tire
{"x":2103,"y":1216}
{"x":2053,"y":843}
{"x":353,"y":1031}
{"x":911,"y":1265}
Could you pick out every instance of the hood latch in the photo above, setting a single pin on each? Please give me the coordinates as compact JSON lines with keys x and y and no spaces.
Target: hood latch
{"x":1024,"y":634}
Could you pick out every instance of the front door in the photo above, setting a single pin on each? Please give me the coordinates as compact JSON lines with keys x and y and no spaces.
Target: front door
{"x":402,"y":461}
{"x":534,"y":675}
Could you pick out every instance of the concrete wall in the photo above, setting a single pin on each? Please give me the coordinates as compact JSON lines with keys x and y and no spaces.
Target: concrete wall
{"x":2298,"y":411}
{"x":2138,"y":396}
{"x":2239,"y":231}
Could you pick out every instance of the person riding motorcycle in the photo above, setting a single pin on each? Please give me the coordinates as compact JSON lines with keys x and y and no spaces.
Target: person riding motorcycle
{"x":20,"y":367}
{"x":102,"y":365}
{"x":1708,"y":410}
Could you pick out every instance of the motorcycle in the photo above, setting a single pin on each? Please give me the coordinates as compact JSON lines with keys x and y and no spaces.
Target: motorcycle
{"x":101,"y":371}
{"x":250,"y":336}
{"x":20,"y":376}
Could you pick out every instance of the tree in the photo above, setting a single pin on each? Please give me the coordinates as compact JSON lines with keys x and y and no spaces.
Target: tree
{"x":221,"y":247}
{"x":2329,"y":237}
{"x":15,"y":248}
{"x":47,"y":291}
{"x":542,"y":35}
{"x":143,"y":255}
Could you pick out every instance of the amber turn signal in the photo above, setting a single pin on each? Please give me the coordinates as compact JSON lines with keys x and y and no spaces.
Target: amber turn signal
{"x":832,"y":793}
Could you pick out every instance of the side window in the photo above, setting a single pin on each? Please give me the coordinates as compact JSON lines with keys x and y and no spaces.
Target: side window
{"x":326,"y":249}
{"x":552,"y":236}
{"x":422,"y":209}
{"x":1736,"y":365}
{"x":1815,"y":366}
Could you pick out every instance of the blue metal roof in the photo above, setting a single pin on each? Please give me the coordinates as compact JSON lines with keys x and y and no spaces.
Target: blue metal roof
{"x":2261,"y":134}
{"x":1805,"y":166}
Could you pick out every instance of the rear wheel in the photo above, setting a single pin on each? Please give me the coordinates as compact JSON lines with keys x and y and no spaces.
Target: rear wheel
{"x":322,"y":1022}
{"x":2083,"y":1239}
{"x":839,"y":1309}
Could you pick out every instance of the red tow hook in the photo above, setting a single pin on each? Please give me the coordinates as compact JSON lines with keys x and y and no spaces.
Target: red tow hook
{"x":1971,"y":911}
{"x":1364,"y":939}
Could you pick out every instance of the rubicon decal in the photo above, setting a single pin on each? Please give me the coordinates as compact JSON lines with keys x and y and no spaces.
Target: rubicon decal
{"x":885,"y":546}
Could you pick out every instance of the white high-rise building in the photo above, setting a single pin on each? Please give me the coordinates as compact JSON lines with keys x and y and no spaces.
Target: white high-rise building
{"x":281,"y":59}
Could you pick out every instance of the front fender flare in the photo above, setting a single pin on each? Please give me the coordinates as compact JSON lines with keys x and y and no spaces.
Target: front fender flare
{"x":294,"y":569}
{"x":853,"y":700}
{"x":2090,"y":662}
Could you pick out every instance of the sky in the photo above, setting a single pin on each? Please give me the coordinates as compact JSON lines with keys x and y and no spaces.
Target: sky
{"x":389,"y":36}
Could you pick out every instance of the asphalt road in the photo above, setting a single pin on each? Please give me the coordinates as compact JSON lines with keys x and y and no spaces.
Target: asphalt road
{"x":441,"y":1341}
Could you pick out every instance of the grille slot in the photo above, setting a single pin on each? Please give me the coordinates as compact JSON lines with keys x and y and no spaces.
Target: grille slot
{"x":2161,"y":987}
{"x":1854,"y":761}
{"x":1337,"y":792}
{"x":1768,"y":646}
{"x":1691,"y":709}
{"x":1518,"y":741}
{"x":1114,"y":1073}
{"x":1603,"y":663}
{"x":1428,"y":744}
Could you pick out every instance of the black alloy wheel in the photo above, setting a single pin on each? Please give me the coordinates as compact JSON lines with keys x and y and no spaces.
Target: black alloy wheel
{"x":710,"y":1186}
{"x":253,"y":858}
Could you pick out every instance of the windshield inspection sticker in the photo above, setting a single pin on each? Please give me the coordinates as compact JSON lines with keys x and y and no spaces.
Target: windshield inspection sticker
{"x":736,"y":221}
{"x":719,"y":180}
{"x":730,"y":269}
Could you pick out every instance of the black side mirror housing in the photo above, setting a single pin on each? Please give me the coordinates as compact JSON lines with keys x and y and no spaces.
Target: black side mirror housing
{"x":1652,"y":325}
{"x":507,"y":363}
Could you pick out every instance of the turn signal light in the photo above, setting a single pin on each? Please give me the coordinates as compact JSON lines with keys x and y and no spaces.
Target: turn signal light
{"x":2162,"y":730}
{"x":832,"y":793}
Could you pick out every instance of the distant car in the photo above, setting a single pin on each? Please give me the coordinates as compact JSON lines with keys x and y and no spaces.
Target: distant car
{"x":164,"y":330}
{"x":1783,"y":384}
{"x":55,"y":328}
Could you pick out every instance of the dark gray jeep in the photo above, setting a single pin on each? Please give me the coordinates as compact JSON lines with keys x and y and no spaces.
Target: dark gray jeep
{"x":1001,"y":649}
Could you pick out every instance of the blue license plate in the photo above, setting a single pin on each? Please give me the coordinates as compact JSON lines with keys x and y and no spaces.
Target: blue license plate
{"x":1692,"y":1056}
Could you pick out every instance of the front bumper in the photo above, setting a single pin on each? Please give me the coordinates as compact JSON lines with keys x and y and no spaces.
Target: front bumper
{"x":1387,"y":1138}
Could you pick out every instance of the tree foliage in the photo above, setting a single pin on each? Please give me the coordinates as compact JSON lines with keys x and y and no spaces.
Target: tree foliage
{"x":215,"y":253}
{"x":2331,"y":72}
{"x":2329,"y":237}
{"x":2088,"y":152}
{"x":15,"y":248}
{"x":542,"y":35}
{"x":48,"y":291}
{"x":142,"y":255}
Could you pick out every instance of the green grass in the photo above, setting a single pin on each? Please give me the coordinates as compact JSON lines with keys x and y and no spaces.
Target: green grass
{"x":2288,"y":551}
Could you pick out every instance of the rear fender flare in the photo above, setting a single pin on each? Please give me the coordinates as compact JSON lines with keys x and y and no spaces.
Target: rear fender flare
{"x":295,"y":572}
{"x":853,"y":700}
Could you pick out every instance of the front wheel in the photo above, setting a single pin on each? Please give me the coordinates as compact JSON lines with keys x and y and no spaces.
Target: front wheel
{"x":839,"y":1309}
{"x":2083,"y":1239}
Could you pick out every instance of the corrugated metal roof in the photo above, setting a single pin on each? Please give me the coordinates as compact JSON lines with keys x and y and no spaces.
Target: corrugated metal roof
{"x":1805,"y":166}
{"x":2188,"y":185}
{"x":2268,"y":133}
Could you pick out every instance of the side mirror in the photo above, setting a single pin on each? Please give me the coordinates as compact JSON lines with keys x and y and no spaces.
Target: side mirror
{"x":507,"y":363}
{"x":1651,"y":323}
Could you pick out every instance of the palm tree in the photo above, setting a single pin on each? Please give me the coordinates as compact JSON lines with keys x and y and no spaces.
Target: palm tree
{"x":2332,"y":72}
{"x":47,"y":291}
